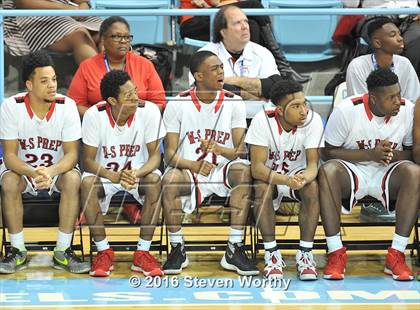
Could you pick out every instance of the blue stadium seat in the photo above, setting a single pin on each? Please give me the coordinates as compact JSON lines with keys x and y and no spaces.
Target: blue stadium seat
{"x":145,"y":29}
{"x":308,"y":37}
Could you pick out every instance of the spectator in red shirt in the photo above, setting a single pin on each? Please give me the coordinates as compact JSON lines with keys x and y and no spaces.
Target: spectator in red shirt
{"x":117,"y":54}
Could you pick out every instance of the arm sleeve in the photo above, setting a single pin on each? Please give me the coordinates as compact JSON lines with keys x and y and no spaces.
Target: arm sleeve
{"x":256,"y":133}
{"x":315,"y":133}
{"x":171,"y":118}
{"x":8,"y":121}
{"x":238,"y":113}
{"x":155,"y":127}
{"x":355,"y":81}
{"x":78,"y":89}
{"x":337,"y":128}
{"x":72,"y":130}
{"x":155,"y":91}
{"x":90,"y":129}
{"x":267,"y":84}
{"x":268,"y":66}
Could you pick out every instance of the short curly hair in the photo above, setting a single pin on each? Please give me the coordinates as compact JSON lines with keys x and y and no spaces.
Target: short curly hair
{"x":381,"y":78}
{"x":111,"y":82}
{"x":107,"y":23}
{"x":35,"y":60}
{"x":282,"y":88}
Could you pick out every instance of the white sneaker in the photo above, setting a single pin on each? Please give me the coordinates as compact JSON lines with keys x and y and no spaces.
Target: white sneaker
{"x":305,"y":265}
{"x":274,"y":265}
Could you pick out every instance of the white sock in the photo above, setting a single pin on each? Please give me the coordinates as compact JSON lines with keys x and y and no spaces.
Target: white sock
{"x":235,"y":235}
{"x":63,"y":241}
{"x":399,"y":243}
{"x":144,"y":245}
{"x":334,"y":243}
{"x":16,"y":240}
{"x":176,"y":237}
{"x":270,"y":245}
{"x":102,"y":245}
{"x":306,"y":244}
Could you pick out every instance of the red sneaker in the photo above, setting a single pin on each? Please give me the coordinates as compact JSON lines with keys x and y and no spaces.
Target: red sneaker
{"x":103,"y":264}
{"x":275,"y":265}
{"x":336,"y":265}
{"x":144,"y":262}
{"x":396,"y":267}
{"x":133,"y":212}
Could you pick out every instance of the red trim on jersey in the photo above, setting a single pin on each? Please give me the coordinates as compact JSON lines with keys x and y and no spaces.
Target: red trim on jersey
{"x":225,"y":176}
{"x":195,"y":99}
{"x":31,"y":113}
{"x":366,"y":105}
{"x":198,"y":105}
{"x":50,"y":111}
{"x":220,"y":101}
{"x":20,"y":99}
{"x":276,"y":116}
{"x":130,"y":119}
{"x":28,"y":107}
{"x":108,"y":112}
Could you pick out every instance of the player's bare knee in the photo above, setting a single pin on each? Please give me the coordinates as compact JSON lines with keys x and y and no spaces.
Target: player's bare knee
{"x":328,"y":171}
{"x":10,"y":183}
{"x":71,"y":181}
{"x":263,"y":192}
{"x":410,"y":173}
{"x":88,"y":187}
{"x":240,"y":174}
{"x":170,"y":182}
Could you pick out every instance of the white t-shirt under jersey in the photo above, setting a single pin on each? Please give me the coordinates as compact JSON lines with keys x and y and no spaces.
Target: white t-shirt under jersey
{"x":122,"y":146}
{"x":360,"y":68}
{"x":40,"y":140}
{"x":286,"y":150}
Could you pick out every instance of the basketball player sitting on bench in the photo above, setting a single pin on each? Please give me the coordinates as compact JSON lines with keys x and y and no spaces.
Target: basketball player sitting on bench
{"x":121,"y":138}
{"x":368,"y":141}
{"x":40,"y":132}
{"x":206,"y":128}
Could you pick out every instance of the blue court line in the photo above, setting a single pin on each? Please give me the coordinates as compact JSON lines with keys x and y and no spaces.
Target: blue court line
{"x":176,"y":291}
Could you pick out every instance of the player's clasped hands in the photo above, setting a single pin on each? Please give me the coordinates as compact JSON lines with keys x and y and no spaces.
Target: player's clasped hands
{"x":382,"y":153}
{"x":128,"y":179}
{"x":43,"y":179}
{"x":296,"y":181}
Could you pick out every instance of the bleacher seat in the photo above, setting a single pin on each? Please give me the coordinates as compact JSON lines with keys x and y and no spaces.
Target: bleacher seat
{"x":145,"y":29}
{"x":294,"y":31}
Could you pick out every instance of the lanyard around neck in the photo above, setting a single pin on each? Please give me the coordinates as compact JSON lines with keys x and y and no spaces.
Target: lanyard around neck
{"x":108,"y":67}
{"x":375,"y":63}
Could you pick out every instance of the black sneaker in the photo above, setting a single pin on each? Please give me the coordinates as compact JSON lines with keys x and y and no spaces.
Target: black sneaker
{"x":177,"y":260}
{"x":67,"y":260}
{"x":235,"y":259}
{"x":375,"y":212}
{"x":14,"y":261}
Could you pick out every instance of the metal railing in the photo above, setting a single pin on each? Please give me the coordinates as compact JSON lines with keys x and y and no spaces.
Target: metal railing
{"x":180,"y":12}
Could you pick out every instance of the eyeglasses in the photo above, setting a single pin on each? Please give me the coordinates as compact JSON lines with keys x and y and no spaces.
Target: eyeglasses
{"x":119,"y":38}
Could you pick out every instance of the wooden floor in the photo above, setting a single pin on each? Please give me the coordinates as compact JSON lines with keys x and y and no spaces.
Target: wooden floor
{"x":366,"y":263}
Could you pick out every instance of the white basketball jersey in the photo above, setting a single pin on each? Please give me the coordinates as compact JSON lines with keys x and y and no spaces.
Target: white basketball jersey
{"x":40,"y":140}
{"x":122,"y":146}
{"x":194,"y":120}
{"x":286,"y":150}
{"x":352,"y":125}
